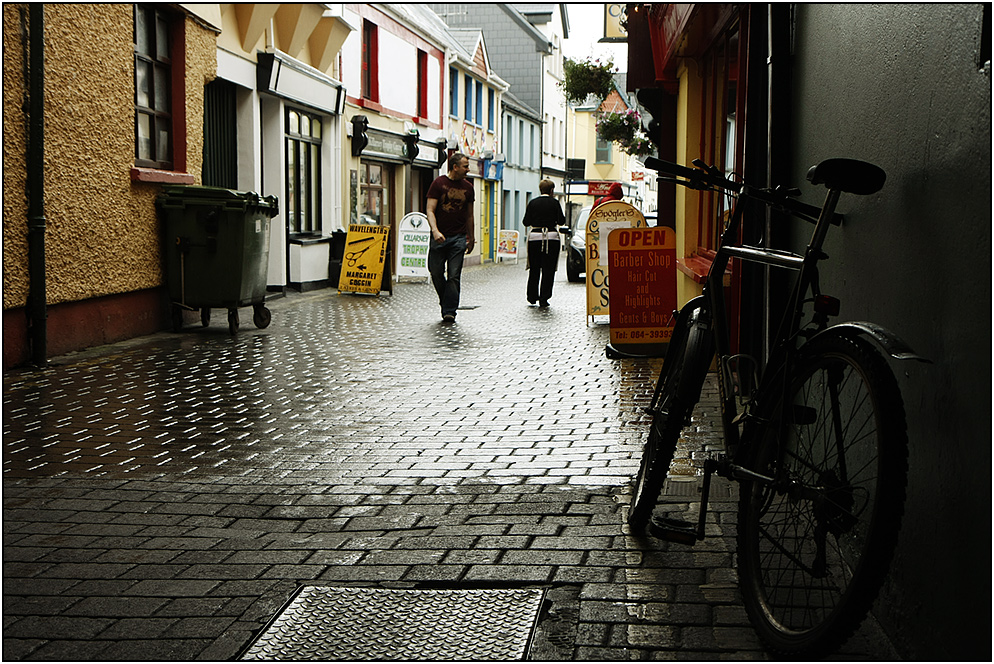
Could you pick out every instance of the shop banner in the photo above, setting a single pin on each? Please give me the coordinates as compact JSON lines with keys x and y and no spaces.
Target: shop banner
{"x":412,"y":254}
{"x":507,"y":244}
{"x":643,"y":288}
{"x":605,"y":218}
{"x":364,"y":259}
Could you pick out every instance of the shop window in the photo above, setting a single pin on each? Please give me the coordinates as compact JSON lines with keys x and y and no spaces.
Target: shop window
{"x":303,"y":172}
{"x":370,"y":64}
{"x":372,"y":194}
{"x":153,"y":46}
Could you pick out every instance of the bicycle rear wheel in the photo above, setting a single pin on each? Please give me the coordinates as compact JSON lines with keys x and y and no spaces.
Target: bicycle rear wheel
{"x":677,"y":390}
{"x":814,"y":547}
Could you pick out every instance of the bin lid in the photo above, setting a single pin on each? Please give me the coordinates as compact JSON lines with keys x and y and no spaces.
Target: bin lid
{"x":198,"y":194}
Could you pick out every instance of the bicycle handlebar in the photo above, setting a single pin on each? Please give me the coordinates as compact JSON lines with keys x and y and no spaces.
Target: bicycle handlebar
{"x":708,"y":178}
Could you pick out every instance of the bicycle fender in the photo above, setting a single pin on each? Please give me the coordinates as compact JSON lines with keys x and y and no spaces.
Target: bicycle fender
{"x":892,"y":344}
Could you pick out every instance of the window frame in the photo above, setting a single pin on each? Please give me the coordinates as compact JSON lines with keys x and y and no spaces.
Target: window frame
{"x":369,"y":74}
{"x":161,"y":80}
{"x":479,"y":104}
{"x":491,"y":109}
{"x":422,"y":75}
{"x":468,"y":99}
{"x":600,"y":147}
{"x":453,"y":92}
{"x":303,"y":206}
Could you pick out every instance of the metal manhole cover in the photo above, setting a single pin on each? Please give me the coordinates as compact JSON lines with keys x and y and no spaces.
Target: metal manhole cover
{"x":329,"y":623}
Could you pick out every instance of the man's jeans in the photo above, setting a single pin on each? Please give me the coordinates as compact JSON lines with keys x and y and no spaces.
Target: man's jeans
{"x":445,"y":258}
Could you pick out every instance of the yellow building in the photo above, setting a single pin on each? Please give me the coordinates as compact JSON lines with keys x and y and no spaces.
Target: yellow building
{"x":102,"y":168}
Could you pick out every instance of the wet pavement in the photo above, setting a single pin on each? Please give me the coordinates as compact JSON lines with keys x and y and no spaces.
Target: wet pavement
{"x":165,"y":497}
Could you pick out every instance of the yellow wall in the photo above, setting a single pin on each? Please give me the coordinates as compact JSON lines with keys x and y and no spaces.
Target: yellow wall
{"x":102,"y":232}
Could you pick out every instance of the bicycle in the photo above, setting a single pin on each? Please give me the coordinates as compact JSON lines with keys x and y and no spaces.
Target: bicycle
{"x":818,"y":443}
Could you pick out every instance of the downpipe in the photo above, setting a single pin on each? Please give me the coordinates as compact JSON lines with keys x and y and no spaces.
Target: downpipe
{"x":37,"y":297}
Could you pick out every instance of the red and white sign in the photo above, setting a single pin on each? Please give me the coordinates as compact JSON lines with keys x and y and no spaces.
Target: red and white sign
{"x":597,"y":188}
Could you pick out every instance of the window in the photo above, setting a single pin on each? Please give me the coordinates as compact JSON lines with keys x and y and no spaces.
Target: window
{"x":602,"y":153}
{"x":521,"y":143}
{"x":469,"y":98}
{"x":370,"y":65}
{"x":303,"y":172}
{"x":531,"y":146}
{"x":491,"y":109}
{"x":422,"y":84}
{"x":153,"y":88}
{"x":453,"y":92}
{"x":507,"y":140}
{"x":372,"y":192}
{"x":479,"y":103}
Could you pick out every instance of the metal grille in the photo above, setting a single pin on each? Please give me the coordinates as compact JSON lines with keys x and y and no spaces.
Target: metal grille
{"x":325,"y":623}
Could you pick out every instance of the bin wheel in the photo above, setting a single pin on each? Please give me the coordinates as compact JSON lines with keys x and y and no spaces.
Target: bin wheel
{"x":205,"y":316}
{"x":177,"y":318}
{"x":233,"y":321}
{"x":262,"y":316}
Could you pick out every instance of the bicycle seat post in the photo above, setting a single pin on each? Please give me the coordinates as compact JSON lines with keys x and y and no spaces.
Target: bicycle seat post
{"x":824,"y":221}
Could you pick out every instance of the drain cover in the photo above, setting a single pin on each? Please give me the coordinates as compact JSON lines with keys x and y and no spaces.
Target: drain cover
{"x":326,"y":623}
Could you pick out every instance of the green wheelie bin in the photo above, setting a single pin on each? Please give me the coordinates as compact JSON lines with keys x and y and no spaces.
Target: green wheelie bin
{"x":216,"y":251}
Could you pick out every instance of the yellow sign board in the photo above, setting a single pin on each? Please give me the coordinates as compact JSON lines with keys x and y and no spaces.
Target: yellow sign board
{"x":614,"y":31}
{"x":602,"y":220}
{"x":364,"y":259}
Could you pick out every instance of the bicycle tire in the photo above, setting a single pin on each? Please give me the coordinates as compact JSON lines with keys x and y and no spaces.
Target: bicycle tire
{"x":672,"y":402}
{"x":809,"y":572}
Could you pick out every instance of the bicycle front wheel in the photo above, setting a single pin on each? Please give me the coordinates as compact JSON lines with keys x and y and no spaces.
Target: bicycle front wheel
{"x":677,"y":390}
{"x":815,"y":545}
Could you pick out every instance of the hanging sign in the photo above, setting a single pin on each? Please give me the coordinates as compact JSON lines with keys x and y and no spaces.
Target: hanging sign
{"x":642,"y":268}
{"x":602,"y":220}
{"x":412,"y":254}
{"x":507,"y":244}
{"x":364,"y":259}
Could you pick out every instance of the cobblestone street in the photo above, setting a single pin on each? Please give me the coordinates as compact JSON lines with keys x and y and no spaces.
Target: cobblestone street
{"x":165,"y":497}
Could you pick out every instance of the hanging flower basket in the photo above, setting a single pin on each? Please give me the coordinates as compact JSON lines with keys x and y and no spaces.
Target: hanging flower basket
{"x":625,"y":129}
{"x":582,"y":78}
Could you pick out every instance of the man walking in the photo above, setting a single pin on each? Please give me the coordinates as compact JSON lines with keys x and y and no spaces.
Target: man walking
{"x":450,"y":215}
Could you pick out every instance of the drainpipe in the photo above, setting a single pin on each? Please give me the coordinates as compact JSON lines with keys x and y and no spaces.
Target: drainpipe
{"x":37,"y":298}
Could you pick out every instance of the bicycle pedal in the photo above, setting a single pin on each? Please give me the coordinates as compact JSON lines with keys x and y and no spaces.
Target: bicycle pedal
{"x":673,"y":530}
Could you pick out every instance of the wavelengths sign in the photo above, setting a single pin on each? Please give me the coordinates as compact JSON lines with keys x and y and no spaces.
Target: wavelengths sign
{"x":364,"y":259}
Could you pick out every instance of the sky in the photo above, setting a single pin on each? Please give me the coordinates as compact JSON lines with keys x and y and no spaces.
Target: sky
{"x":586,"y":26}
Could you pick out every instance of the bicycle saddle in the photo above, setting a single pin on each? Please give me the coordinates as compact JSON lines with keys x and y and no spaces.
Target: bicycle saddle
{"x":848,"y":175}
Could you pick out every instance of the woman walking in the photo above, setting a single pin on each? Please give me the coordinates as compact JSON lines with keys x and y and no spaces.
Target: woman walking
{"x":544,"y":215}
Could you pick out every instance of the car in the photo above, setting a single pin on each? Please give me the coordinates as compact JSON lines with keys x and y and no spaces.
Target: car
{"x":576,"y":250}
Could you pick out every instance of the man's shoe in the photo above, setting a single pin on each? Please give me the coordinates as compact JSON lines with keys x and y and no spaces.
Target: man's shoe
{"x":449,"y":318}
{"x":543,"y":303}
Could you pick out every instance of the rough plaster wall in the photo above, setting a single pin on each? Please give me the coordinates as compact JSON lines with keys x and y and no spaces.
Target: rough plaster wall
{"x":15,"y":209}
{"x":898,"y":85}
{"x":103,"y":234}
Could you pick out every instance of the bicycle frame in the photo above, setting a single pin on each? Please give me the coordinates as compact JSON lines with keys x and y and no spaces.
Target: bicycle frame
{"x":713,"y":312}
